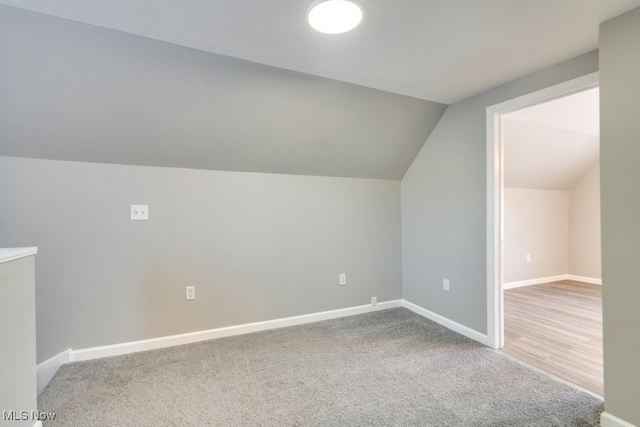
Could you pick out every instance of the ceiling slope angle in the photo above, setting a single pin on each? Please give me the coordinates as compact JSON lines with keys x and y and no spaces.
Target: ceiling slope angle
{"x":541,"y":157}
{"x":579,"y":112}
{"x":107,"y":96}
{"x":553,"y":145}
{"x":437,"y":50}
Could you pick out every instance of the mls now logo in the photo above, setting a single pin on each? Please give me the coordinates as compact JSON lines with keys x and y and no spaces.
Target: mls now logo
{"x":15,"y":415}
{"x":27,"y":415}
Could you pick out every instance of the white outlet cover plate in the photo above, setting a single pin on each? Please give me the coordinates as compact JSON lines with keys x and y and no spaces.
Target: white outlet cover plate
{"x":139,"y":212}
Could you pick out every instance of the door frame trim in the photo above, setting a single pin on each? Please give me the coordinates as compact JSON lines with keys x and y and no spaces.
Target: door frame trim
{"x":495,"y":192}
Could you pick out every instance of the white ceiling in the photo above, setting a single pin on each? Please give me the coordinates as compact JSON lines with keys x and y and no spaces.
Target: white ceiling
{"x":578,"y":113}
{"x":551,"y":146}
{"x":438,"y":50}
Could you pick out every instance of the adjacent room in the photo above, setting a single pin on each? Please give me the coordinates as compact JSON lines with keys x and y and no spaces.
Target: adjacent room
{"x":552,"y":249}
{"x":227,"y":213}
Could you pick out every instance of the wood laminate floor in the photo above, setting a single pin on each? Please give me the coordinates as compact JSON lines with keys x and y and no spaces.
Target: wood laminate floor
{"x":557,"y":327}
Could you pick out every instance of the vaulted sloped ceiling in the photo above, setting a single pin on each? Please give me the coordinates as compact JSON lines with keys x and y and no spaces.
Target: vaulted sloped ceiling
{"x":72,"y":91}
{"x":540,"y":157}
{"x":247,"y":85}
{"x":438,"y":50}
{"x":551,"y":146}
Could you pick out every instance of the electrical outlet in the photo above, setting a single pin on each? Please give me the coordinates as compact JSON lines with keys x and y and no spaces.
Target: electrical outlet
{"x":139,"y":212}
{"x":374,"y":301}
{"x":190,"y":292}
{"x":343,"y":279}
{"x":445,"y":284}
{"x":528,"y":257}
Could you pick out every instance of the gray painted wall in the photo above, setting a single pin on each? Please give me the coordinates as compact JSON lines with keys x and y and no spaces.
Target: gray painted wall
{"x":444,"y":202}
{"x":256,"y":246}
{"x":585,"y":246}
{"x":72,"y":91}
{"x":620,"y":198}
{"x":18,"y":340}
{"x":536,"y":222}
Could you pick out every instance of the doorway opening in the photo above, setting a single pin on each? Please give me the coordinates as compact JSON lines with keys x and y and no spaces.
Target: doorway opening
{"x":499,"y":118}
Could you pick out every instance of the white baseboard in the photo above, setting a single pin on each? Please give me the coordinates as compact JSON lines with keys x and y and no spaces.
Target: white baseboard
{"x":537,"y":281}
{"x":192,"y":337}
{"x":541,"y":280}
{"x":461,"y":329}
{"x":46,"y":370}
{"x":608,"y":420}
{"x":585,"y":279}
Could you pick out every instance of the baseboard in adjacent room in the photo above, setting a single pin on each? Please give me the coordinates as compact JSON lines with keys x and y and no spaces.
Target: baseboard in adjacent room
{"x":47,"y":369}
{"x":454,"y":326}
{"x":542,"y":280}
{"x":584,"y":279}
{"x":608,"y":420}
{"x":538,"y":281}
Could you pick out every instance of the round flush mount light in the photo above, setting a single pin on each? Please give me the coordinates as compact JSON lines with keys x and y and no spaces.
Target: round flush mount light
{"x":334,"y":16}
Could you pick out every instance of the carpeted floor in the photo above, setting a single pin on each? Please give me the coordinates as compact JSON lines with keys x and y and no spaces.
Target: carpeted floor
{"x":388,"y":368}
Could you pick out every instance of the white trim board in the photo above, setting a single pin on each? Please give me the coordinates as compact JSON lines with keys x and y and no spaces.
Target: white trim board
{"x":608,"y":420}
{"x":12,"y":254}
{"x":541,"y":280}
{"x":454,"y":326}
{"x":495,"y":187}
{"x":538,"y":281}
{"x":47,"y":369}
{"x":192,"y":337}
{"x":584,"y":279}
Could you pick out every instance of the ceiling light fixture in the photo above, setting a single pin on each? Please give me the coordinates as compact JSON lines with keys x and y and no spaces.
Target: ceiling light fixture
{"x":334,"y":16}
